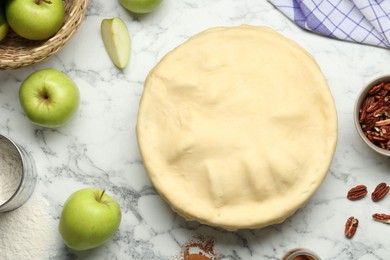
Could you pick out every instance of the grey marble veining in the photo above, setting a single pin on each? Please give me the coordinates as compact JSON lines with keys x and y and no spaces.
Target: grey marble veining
{"x":98,"y":148}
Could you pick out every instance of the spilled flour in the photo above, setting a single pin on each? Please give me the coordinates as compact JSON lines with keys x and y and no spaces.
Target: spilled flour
{"x":29,"y":232}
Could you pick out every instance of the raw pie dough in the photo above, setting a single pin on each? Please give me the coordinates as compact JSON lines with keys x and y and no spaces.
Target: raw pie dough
{"x":237,"y":127}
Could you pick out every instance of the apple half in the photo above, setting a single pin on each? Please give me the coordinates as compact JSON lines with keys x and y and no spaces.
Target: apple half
{"x":116,"y":39}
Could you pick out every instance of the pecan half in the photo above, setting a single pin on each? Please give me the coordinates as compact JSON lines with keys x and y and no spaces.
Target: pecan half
{"x":380,"y":191}
{"x":374,"y":106}
{"x":382,"y":122}
{"x":357,"y":192}
{"x":351,"y":226}
{"x":376,"y":88}
{"x":380,"y":111}
{"x":384,"y":218}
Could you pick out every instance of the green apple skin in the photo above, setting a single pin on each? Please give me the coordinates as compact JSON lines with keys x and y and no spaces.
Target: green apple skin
{"x":35,"y":19}
{"x":4,"y":27}
{"x":49,"y":98}
{"x":140,"y":6}
{"x":86,"y":222}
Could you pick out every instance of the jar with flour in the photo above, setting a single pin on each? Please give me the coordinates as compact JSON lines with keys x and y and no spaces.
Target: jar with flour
{"x":17,"y":175}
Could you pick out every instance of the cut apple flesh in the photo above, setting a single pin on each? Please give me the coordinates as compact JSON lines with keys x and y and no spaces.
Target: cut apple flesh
{"x":116,"y":41}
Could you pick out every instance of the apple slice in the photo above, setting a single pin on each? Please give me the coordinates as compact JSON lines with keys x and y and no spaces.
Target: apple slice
{"x":116,"y":40}
{"x":3,"y":25}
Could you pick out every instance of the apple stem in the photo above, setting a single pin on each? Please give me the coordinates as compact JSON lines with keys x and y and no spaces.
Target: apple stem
{"x":101,"y":195}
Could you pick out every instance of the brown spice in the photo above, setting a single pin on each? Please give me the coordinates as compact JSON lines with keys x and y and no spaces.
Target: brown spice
{"x":374,"y":115}
{"x":197,"y":257}
{"x":301,"y":256}
{"x":199,"y":248}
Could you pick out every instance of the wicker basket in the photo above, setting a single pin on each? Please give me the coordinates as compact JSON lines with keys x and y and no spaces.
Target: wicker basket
{"x":17,"y":52}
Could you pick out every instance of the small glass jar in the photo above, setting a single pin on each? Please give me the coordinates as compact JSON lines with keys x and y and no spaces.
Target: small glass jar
{"x":18,"y":175}
{"x":300,"y":254}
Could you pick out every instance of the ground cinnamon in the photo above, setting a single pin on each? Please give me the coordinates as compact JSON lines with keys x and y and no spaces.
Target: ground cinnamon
{"x":302,"y":256}
{"x":197,"y":257}
{"x":199,"y":248}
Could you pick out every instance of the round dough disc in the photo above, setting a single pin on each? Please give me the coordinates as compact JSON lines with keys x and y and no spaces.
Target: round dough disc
{"x":237,"y":127}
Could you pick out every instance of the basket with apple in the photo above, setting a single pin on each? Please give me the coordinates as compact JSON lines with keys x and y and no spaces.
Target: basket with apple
{"x":27,"y":38}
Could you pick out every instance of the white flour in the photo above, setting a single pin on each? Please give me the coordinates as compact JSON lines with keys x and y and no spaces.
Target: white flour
{"x":29,"y":232}
{"x":10,"y":170}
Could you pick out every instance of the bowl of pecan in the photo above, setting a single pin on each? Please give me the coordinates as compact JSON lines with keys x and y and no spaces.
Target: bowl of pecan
{"x":372,"y":114}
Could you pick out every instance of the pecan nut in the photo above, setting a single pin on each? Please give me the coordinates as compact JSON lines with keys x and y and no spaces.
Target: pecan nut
{"x":383,"y":122}
{"x":376,"y":89}
{"x":357,"y":192}
{"x":380,"y":191}
{"x":351,"y":226}
{"x":384,"y":218}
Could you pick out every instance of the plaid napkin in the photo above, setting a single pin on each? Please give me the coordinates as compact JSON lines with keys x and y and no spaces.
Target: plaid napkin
{"x":363,"y":21}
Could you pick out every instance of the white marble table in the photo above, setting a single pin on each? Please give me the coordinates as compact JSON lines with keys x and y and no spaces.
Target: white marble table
{"x":98,"y":148}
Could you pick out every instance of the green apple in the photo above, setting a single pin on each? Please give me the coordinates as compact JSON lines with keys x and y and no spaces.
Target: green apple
{"x":35,"y":19}
{"x":116,"y":40}
{"x":3,"y":25}
{"x":140,"y":6}
{"x":49,"y":98}
{"x":89,"y":219}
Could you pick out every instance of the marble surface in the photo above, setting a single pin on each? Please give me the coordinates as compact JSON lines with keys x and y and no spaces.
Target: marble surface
{"x":98,"y":147}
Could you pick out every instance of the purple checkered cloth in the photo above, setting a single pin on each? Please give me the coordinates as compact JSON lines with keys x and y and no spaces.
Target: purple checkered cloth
{"x":363,"y":21}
